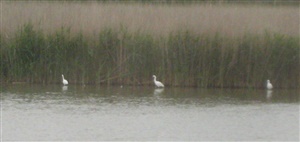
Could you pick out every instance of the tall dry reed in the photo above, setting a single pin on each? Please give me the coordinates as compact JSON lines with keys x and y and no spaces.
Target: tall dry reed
{"x":160,"y":19}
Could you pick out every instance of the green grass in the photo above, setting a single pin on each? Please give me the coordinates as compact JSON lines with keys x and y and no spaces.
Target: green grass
{"x":180,"y":58}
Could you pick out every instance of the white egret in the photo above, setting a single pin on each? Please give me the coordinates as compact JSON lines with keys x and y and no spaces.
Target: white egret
{"x":157,"y":83}
{"x":64,"y":81}
{"x":269,"y":85}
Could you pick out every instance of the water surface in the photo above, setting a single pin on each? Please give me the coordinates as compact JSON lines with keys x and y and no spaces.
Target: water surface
{"x":76,"y":113}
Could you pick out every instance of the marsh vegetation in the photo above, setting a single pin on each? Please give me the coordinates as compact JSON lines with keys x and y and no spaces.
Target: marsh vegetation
{"x":201,"y":45}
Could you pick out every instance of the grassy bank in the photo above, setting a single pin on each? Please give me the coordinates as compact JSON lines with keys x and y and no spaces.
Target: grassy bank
{"x":182,"y":58}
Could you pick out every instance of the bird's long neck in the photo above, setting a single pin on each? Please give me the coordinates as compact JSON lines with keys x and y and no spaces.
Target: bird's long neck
{"x":154,"y":79}
{"x":63,"y":77}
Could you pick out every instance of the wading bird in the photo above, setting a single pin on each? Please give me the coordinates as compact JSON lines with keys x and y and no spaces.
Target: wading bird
{"x":64,"y":81}
{"x":157,"y":83}
{"x":269,"y":85}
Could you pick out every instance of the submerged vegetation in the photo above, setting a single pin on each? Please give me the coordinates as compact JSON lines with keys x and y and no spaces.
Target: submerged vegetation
{"x":181,"y":58}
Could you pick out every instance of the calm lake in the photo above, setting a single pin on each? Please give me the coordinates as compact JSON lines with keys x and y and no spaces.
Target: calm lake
{"x":93,"y":113}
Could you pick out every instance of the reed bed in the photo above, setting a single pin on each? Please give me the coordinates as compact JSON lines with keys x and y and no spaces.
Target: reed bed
{"x":182,"y":58}
{"x":92,"y":17}
{"x":124,"y":53}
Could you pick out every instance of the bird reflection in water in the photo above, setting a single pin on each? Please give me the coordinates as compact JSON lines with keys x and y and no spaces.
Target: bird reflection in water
{"x":158,"y":91}
{"x":269,"y":94}
{"x":65,"y":88}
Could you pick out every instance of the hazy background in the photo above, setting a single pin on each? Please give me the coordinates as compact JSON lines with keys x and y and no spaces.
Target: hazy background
{"x":91,"y":17}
